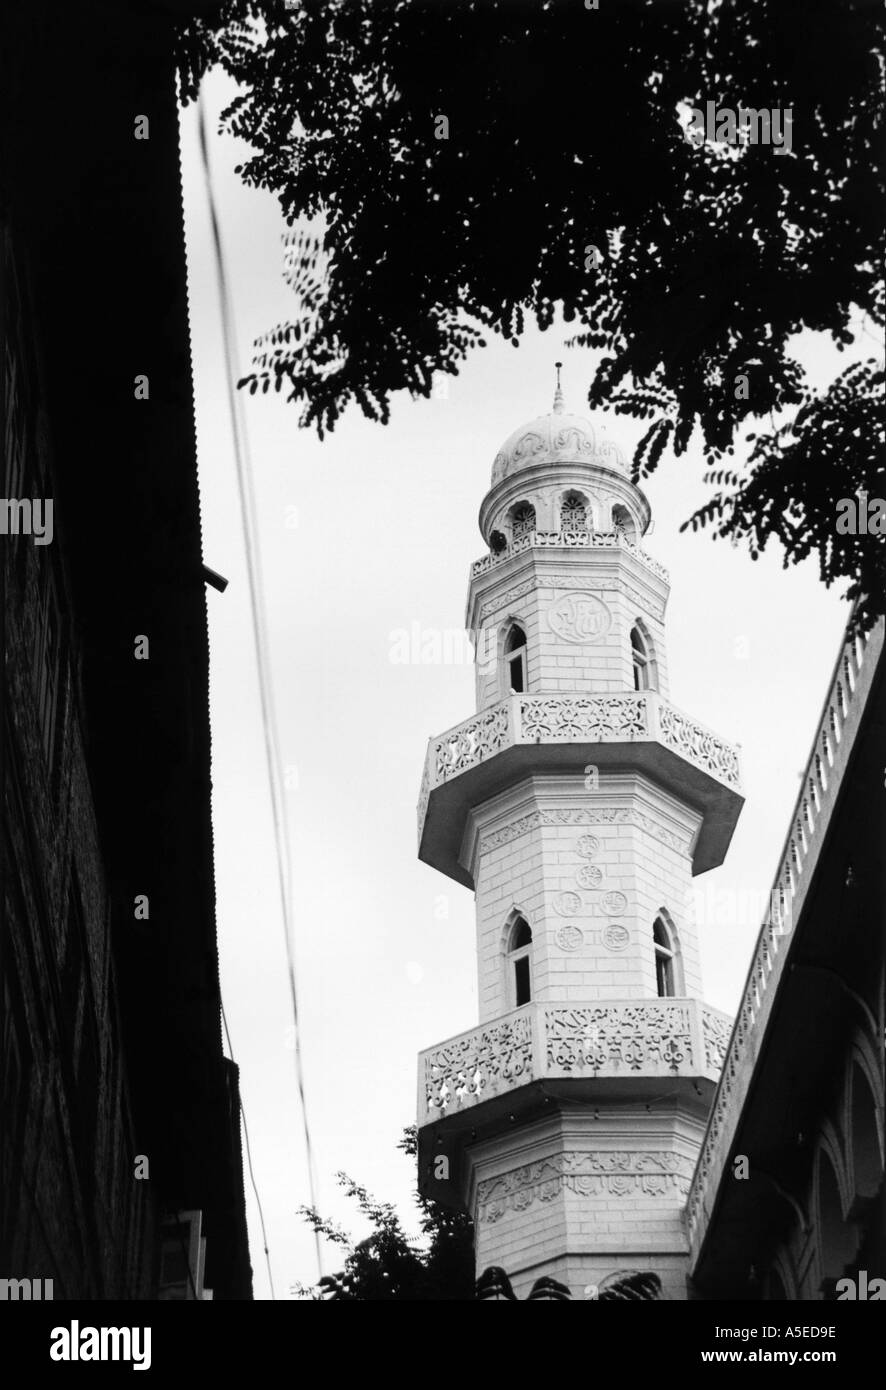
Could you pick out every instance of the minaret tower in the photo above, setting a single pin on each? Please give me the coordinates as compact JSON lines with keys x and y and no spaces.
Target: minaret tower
{"x":577,"y":803}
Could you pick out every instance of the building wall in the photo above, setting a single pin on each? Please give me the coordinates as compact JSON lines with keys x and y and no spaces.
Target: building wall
{"x":72,"y":1210}
{"x":105,"y":241}
{"x":801,"y":1096}
{"x":843,"y":1200}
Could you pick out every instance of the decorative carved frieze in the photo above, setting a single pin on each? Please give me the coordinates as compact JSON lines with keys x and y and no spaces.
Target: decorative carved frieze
{"x":643,"y":603}
{"x":503,"y":600}
{"x":510,"y":832}
{"x":601,"y":815}
{"x":652,"y":827}
{"x":568,"y":815}
{"x":649,"y":1173}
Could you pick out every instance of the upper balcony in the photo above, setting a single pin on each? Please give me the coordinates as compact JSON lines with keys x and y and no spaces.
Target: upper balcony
{"x":568,"y":540}
{"x":526,"y":734}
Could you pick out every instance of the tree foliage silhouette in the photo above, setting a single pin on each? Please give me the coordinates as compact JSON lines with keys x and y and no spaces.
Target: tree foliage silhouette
{"x":387,"y":1265}
{"x":477,"y":163}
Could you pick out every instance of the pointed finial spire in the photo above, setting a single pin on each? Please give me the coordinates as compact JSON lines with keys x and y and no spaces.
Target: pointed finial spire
{"x":558,"y":394}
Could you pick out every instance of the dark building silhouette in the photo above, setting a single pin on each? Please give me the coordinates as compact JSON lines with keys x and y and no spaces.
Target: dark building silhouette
{"x":111,"y":1025}
{"x":801,"y":1094}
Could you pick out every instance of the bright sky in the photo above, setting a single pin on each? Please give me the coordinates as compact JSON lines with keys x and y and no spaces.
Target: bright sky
{"x":386,"y":529}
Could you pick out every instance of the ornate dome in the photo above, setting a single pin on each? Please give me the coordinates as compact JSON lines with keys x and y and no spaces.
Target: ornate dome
{"x":554,"y":438}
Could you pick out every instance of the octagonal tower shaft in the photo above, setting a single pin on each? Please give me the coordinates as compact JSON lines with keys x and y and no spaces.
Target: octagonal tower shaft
{"x":578,"y":802}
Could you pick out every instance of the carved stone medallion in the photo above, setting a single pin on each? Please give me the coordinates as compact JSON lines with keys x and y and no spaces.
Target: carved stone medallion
{"x":587,"y":846}
{"x":616,"y":937}
{"x":589,"y":876}
{"x":578,"y":617}
{"x":569,"y":937}
{"x":614,"y":904}
{"x":567,"y":904}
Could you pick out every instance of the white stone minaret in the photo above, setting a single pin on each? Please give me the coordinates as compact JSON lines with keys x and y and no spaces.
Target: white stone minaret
{"x":577,"y":803}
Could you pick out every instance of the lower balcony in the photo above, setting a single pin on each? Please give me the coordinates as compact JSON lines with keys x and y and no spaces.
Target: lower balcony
{"x":613,"y":1040}
{"x":525,"y":1065}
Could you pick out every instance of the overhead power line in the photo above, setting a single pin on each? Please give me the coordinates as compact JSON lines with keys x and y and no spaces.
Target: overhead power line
{"x":256,"y":599}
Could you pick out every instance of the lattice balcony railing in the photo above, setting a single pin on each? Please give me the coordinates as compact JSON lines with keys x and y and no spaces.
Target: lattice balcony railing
{"x":623,"y":717}
{"x":568,"y":540}
{"x":636,"y":1037}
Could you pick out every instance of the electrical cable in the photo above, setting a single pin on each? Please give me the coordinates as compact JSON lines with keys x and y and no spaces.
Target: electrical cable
{"x":256,"y":591}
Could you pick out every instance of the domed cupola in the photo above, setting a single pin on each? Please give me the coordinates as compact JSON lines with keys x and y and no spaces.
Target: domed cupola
{"x":558,"y":473}
{"x":555,"y":438}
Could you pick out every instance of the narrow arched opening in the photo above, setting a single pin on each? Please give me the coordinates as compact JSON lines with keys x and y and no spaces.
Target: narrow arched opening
{"x":665,"y":964}
{"x":575,"y":512}
{"x":514,"y":658}
{"x":522,"y":519}
{"x":519,"y":961}
{"x":643,"y":658}
{"x":623,"y":522}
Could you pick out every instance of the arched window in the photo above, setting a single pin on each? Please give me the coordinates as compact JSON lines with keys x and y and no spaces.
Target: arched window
{"x":519,"y":964}
{"x":498,"y":542}
{"x":574,"y":514}
{"x":624,"y":522}
{"x":664,"y":960}
{"x":515,"y":660}
{"x":522,"y":520}
{"x":641,"y":659}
